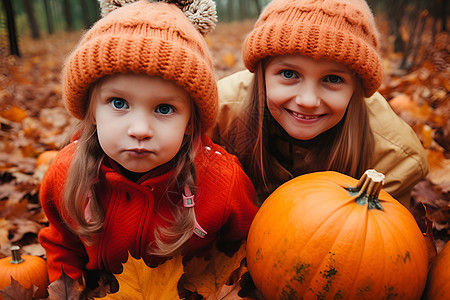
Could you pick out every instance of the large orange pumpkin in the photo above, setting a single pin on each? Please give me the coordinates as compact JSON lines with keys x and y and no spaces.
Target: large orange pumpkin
{"x":26,"y":269}
{"x":326,"y":235}
{"x":438,"y":284}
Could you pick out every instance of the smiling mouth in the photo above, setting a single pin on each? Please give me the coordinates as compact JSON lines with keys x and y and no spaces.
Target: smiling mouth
{"x":304,"y":117}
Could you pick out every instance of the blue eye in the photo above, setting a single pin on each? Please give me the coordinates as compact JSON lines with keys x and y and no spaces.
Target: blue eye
{"x":288,"y":74}
{"x":333,"y":79}
{"x":165,"y":109}
{"x":119,"y":103}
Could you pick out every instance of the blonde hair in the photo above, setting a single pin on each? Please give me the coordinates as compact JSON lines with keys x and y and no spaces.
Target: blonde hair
{"x":346,"y":148}
{"x":79,"y":191}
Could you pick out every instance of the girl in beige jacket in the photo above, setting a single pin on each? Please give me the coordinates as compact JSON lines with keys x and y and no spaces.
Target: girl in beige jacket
{"x":311,"y":104}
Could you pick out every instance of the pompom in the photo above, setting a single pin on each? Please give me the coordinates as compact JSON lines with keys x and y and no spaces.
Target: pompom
{"x":180,"y":3}
{"x":201,"y":13}
{"x":107,"y":6}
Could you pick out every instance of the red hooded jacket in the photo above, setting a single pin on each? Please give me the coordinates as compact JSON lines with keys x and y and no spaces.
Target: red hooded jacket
{"x":224,"y":208}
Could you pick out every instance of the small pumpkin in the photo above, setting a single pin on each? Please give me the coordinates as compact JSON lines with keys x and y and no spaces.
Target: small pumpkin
{"x":438,"y":283}
{"x":326,"y":235}
{"x":26,"y":269}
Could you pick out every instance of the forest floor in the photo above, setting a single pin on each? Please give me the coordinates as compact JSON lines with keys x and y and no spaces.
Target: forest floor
{"x":33,"y":119}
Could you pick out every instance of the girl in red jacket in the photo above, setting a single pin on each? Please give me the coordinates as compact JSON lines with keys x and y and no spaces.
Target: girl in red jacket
{"x":142,"y":177}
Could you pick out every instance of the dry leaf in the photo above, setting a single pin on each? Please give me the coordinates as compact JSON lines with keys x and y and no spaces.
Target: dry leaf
{"x":65,"y":288}
{"x":206,"y":277}
{"x":15,"y":291}
{"x":139,"y":281}
{"x":15,"y":114}
{"x":34,"y":249}
{"x":439,"y":169}
{"x":5,"y":226}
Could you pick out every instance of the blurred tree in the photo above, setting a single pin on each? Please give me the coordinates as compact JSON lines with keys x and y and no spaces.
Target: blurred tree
{"x":67,"y":12}
{"x":49,"y":17}
{"x":231,"y":10}
{"x":85,"y":14}
{"x":395,"y":12}
{"x":11,"y":23}
{"x":94,"y":8}
{"x":408,"y":21}
{"x":258,"y":6}
{"x":439,"y":14}
{"x":29,"y":10}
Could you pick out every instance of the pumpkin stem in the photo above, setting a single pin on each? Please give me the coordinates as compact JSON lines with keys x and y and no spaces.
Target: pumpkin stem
{"x":368,"y":189}
{"x":16,"y":258}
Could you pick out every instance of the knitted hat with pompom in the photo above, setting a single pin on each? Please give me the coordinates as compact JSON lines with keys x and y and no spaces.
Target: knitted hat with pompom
{"x":146,"y":37}
{"x":337,"y":30}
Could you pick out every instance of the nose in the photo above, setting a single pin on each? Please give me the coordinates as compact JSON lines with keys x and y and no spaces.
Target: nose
{"x":307,"y":95}
{"x":141,"y":127}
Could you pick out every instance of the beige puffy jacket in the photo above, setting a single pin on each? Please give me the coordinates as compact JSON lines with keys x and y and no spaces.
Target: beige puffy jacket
{"x":398,"y":154}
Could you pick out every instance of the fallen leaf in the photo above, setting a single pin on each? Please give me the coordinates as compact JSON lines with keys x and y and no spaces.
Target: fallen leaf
{"x":15,"y":114}
{"x":34,"y":249}
{"x":5,"y":226}
{"x":65,"y":288}
{"x":439,"y":169}
{"x":139,"y":281}
{"x":207,"y":277}
{"x":15,"y":291}
{"x":230,"y":290}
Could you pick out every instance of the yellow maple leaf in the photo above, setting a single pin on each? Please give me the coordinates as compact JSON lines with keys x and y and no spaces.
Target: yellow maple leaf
{"x":207,"y":277}
{"x":139,"y":281}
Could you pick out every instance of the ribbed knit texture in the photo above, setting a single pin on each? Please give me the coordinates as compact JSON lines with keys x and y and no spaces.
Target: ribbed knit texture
{"x":337,"y":30}
{"x":143,"y":37}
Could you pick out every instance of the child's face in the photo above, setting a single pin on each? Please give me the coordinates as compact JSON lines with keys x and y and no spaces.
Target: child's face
{"x":141,"y":120}
{"x":307,"y":97}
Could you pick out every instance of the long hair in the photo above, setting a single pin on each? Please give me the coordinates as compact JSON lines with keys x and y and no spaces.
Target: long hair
{"x":346,"y":148}
{"x":169,"y":241}
{"x":79,"y":192}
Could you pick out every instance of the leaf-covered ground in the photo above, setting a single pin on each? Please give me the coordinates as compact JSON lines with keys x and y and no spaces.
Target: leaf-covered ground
{"x":33,"y":119}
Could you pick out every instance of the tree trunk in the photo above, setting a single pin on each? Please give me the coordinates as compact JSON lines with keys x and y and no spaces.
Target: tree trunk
{"x":395,"y":12}
{"x":258,"y":7}
{"x":414,"y":19}
{"x":85,"y":14}
{"x":67,"y":15}
{"x":48,"y":13}
{"x":94,"y":7}
{"x":29,"y":9}
{"x":230,"y":10}
{"x":443,"y":11}
{"x":12,"y":35}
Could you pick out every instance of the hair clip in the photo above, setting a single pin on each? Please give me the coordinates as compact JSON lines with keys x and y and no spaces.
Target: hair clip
{"x":188,"y":197}
{"x":188,"y":201}
{"x":198,"y":230}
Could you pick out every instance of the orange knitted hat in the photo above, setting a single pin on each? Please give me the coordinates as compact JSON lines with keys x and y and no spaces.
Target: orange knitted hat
{"x":337,"y":30}
{"x":154,"y":38}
